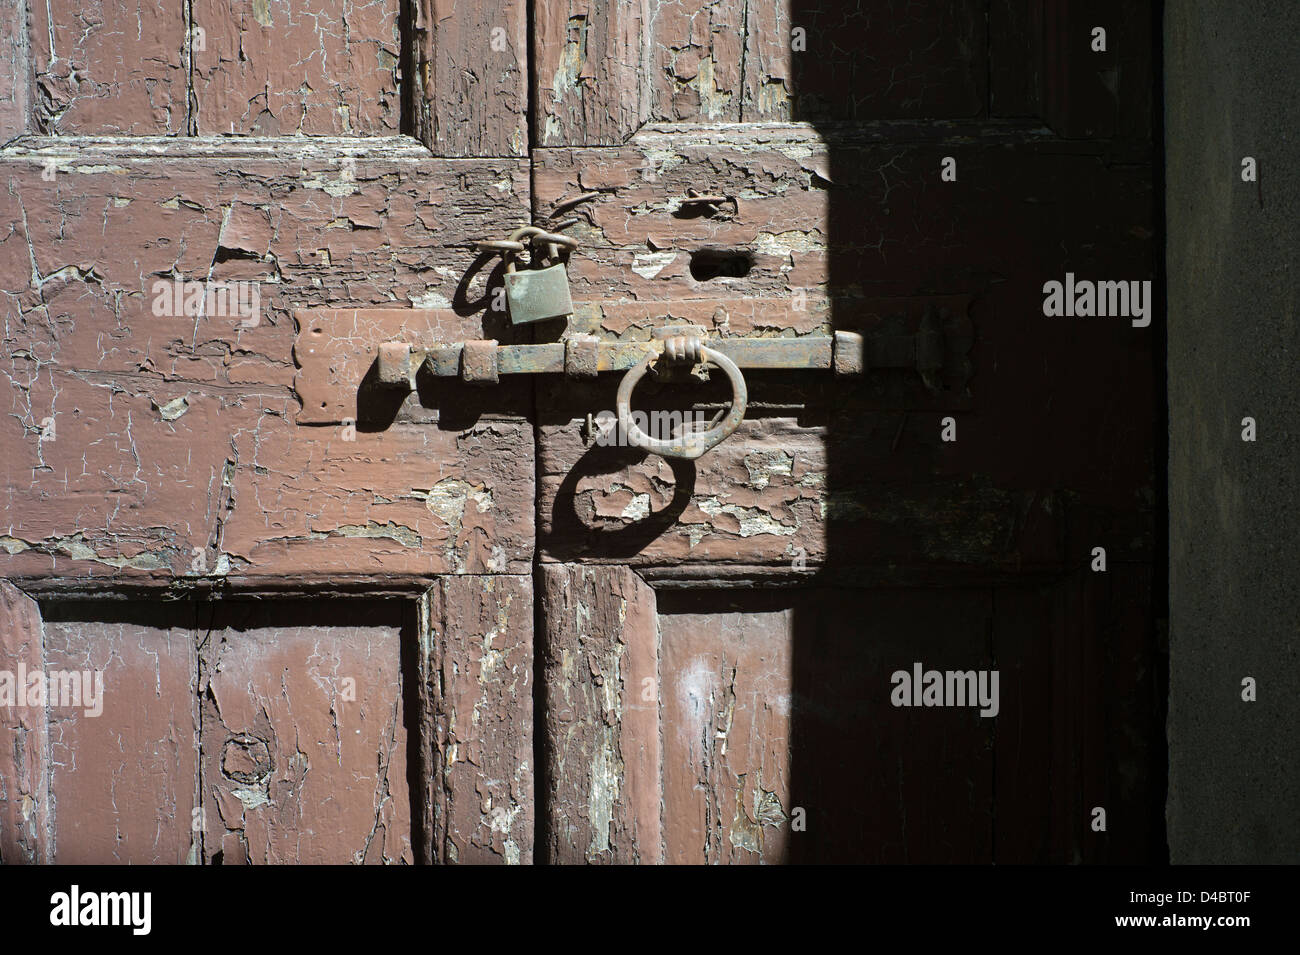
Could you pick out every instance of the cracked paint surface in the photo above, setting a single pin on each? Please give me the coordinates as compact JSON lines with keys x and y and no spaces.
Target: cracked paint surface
{"x":480,"y":660}
{"x":601,"y":667}
{"x":304,"y":744}
{"x":165,"y":445}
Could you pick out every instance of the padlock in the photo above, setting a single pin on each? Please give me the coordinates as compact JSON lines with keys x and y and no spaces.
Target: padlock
{"x":537,"y":294}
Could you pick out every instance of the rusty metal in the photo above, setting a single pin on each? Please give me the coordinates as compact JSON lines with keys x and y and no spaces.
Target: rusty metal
{"x":850,"y":353}
{"x":554,"y":238}
{"x":847,"y":353}
{"x":479,"y":364}
{"x":694,"y":198}
{"x":688,"y":444}
{"x":393,"y":366}
{"x":586,"y":356}
{"x":499,"y":245}
{"x":571,"y":201}
{"x":582,"y":356}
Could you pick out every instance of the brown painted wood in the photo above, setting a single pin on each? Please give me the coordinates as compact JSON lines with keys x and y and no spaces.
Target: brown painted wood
{"x":726,"y":711}
{"x":113,"y":67}
{"x":198,"y":433}
{"x":479,"y":699}
{"x":304,"y":736}
{"x":15,"y":81}
{"x":26,"y":833}
{"x":281,"y":67}
{"x":472,"y":70}
{"x":606,"y":69}
{"x":125,"y":782}
{"x":602,"y":688}
{"x":833,"y":539}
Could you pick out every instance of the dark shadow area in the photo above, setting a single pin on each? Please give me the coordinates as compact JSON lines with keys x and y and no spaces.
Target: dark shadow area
{"x":975,"y":553}
{"x":574,"y":535}
{"x":570,"y":529}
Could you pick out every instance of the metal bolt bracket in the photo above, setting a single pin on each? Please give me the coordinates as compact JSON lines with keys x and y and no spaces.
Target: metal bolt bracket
{"x":673,"y":346}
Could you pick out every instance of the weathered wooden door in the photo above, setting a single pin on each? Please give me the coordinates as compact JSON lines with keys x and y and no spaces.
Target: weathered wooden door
{"x":336,"y":622}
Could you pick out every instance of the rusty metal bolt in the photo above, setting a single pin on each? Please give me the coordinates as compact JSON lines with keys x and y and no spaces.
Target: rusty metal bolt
{"x":478,"y":362}
{"x":393,"y":368}
{"x":582,"y":356}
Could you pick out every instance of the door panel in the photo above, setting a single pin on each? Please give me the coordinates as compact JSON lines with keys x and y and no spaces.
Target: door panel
{"x":228,"y":732}
{"x":138,"y":437}
{"x":304,"y":738}
{"x":715,"y":639}
{"x":340,"y":698}
{"x":127,"y":776}
{"x":25,"y":807}
{"x":108,"y":67}
{"x":480,"y":688}
{"x":601,"y":744}
{"x":295,"y":66}
{"x":838,"y":536}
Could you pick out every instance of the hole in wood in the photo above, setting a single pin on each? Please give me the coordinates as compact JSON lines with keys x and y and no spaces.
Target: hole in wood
{"x":720,"y":263}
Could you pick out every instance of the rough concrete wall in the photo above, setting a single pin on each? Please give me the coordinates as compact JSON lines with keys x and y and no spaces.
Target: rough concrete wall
{"x":1230,"y":74}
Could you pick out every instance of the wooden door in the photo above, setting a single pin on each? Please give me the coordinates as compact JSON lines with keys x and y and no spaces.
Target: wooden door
{"x":719,"y":638}
{"x":327,"y":619}
{"x":278,"y":610}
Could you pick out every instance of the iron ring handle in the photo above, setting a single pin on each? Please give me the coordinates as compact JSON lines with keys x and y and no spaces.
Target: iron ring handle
{"x":688,"y":445}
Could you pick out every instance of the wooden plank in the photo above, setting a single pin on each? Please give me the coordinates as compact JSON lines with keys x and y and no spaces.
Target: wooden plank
{"x":1032,"y":825}
{"x":769,"y":62}
{"x":138,"y":437}
{"x":605,"y":69}
{"x":782,"y":742}
{"x":602,"y":688}
{"x":15,"y":69}
{"x":26,"y":830}
{"x":807,"y":213}
{"x":116,"y":67}
{"x":787,"y":493}
{"x":479,"y":716}
{"x":304,"y":735}
{"x":890,"y":61}
{"x":124,"y":780}
{"x":280,"y":67}
{"x":726,"y":712}
{"x":1042,"y":64}
{"x":1015,"y":37}
{"x":413,"y":499}
{"x":1136,"y":755}
{"x":471,"y":97}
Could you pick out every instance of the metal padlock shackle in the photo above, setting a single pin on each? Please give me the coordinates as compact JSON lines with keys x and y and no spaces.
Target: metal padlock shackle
{"x":537,"y":236}
{"x":684,"y":348}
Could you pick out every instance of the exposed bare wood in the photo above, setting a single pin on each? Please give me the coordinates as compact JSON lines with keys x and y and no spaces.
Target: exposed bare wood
{"x":480,"y":695}
{"x":472,"y":98}
{"x":26,"y":828}
{"x":602,"y":750}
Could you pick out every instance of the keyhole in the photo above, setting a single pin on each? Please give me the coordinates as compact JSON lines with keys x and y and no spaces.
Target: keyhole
{"x":720,"y":263}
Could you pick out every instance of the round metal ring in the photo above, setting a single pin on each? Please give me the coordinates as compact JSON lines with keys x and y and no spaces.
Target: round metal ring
{"x":689,"y":445}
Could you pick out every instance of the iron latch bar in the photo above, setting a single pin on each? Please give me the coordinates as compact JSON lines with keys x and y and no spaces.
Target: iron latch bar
{"x":581,"y":356}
